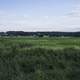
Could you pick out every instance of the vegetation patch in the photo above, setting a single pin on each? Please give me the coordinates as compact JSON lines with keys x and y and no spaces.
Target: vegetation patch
{"x":40,"y":64}
{"x":18,"y":62}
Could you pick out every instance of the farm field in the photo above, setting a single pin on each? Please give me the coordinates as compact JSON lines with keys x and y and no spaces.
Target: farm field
{"x":46,"y":42}
{"x":34,"y":58}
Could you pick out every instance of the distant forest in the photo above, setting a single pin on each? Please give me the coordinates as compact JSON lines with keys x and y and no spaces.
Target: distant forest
{"x":40,"y":34}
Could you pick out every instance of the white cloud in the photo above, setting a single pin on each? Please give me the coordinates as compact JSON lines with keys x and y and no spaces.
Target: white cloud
{"x":75,"y":12}
{"x":72,"y":19}
{"x":69,"y":22}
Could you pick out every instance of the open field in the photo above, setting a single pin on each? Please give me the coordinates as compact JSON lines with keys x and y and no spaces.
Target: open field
{"x":52,"y":42}
{"x":33,"y":58}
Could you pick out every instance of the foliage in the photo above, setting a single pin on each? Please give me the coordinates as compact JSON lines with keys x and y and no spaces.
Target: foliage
{"x":18,"y":62}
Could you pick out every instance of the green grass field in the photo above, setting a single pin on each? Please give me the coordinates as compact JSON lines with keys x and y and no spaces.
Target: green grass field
{"x":53,"y":43}
{"x":32,"y":58}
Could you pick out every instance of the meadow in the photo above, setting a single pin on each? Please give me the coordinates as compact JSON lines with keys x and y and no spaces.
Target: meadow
{"x":45,"y":42}
{"x":35,"y":58}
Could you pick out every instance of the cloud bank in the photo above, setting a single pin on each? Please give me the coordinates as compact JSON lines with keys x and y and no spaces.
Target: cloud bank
{"x":68,"y":22}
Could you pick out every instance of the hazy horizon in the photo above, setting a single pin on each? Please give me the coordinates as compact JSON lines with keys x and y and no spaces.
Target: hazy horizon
{"x":40,"y":15}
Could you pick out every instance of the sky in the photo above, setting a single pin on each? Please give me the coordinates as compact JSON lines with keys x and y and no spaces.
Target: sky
{"x":40,"y":15}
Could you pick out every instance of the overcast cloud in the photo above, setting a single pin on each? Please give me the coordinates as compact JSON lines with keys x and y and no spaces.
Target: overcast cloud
{"x":67,"y":20}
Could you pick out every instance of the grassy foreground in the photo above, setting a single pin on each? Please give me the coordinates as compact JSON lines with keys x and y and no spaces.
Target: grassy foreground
{"x":46,"y":42}
{"x":36,"y":59}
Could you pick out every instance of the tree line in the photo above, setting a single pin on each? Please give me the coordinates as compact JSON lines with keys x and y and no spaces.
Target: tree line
{"x":40,"y":34}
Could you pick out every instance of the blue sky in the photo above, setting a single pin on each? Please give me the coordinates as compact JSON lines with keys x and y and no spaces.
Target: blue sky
{"x":37,"y":7}
{"x":40,"y":15}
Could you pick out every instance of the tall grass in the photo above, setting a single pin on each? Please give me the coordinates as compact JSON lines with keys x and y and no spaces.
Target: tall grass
{"x":23,"y":61}
{"x":39,"y":64}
